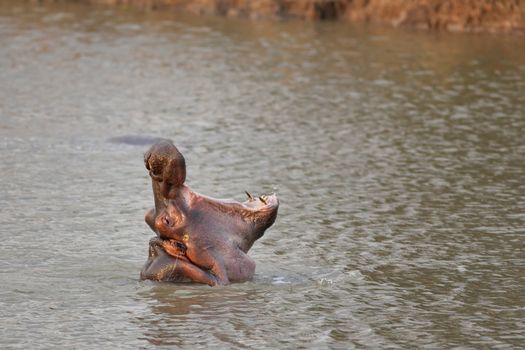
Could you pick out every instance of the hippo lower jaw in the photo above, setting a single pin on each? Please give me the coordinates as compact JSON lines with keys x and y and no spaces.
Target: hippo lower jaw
{"x":263,"y":208}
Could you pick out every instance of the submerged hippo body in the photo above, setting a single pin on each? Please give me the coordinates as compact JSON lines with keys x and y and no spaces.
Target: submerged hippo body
{"x":199,"y":239}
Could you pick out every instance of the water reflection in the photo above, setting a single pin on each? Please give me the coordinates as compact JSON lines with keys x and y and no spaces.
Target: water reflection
{"x":169,"y":311}
{"x":183,"y":315}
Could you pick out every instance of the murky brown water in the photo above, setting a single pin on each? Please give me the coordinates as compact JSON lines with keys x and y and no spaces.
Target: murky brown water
{"x":399,"y":158}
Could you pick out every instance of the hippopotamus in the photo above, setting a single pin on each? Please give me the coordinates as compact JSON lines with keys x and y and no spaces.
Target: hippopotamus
{"x":199,"y":238}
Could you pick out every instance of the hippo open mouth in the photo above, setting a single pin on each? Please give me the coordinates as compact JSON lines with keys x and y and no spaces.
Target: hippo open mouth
{"x":199,"y":238}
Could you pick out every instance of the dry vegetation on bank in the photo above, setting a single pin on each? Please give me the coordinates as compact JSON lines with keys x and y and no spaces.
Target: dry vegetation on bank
{"x":453,"y":15}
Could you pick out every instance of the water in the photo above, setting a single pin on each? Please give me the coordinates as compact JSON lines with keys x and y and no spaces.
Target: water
{"x":398,"y":157}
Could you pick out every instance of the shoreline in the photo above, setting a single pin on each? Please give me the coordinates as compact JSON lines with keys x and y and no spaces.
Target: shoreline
{"x":449,"y":15}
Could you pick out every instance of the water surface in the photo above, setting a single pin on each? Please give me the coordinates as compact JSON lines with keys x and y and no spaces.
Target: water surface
{"x":398,"y":157}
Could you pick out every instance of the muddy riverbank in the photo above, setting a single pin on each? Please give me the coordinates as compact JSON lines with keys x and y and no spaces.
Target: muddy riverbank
{"x":451,"y":15}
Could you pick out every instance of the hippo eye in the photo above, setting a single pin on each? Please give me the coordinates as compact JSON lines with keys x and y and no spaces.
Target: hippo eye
{"x":167,"y":221}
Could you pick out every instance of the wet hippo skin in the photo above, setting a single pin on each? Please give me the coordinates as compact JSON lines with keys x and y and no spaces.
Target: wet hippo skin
{"x":199,"y":238}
